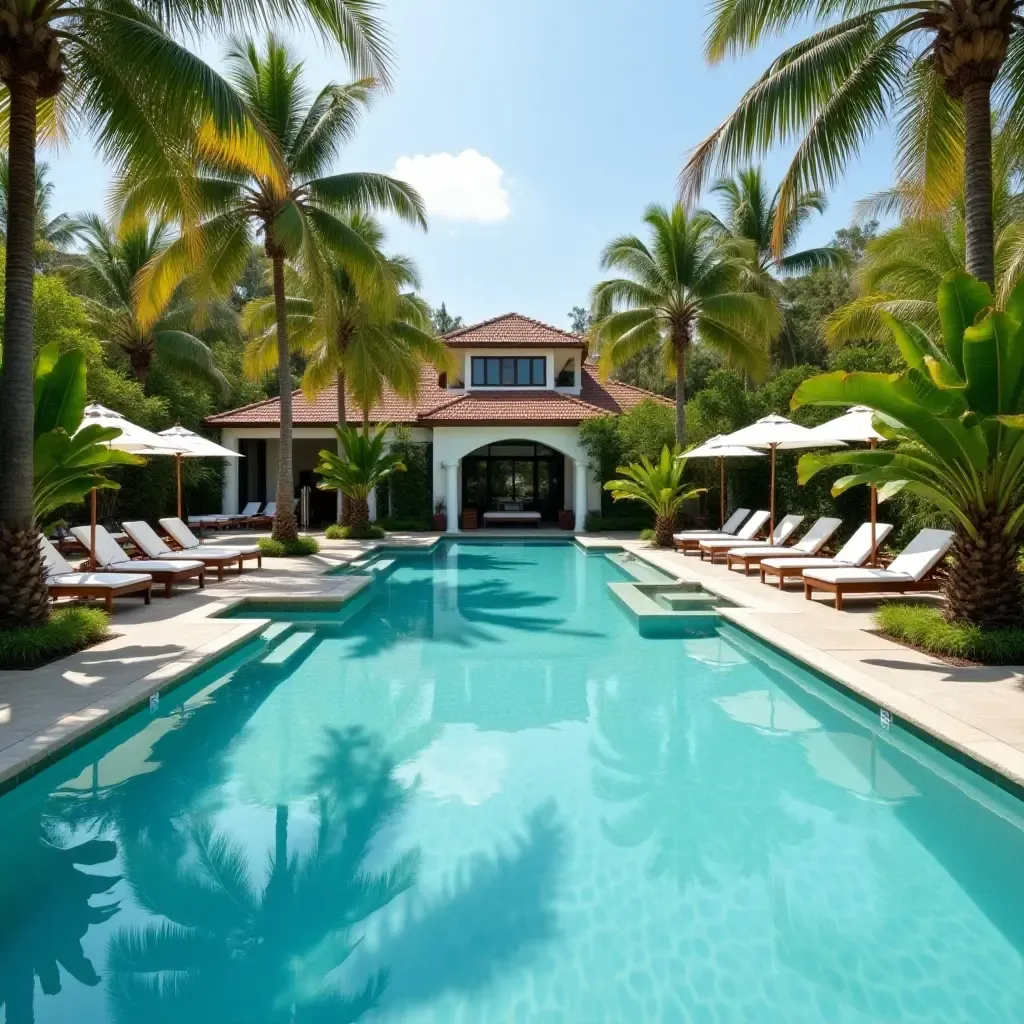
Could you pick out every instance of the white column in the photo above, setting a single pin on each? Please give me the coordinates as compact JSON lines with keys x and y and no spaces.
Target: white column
{"x":579,"y":494}
{"x":229,"y":489}
{"x":451,"y":494}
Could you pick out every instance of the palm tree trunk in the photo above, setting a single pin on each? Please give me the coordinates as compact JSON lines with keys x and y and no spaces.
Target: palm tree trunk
{"x":680,"y":348}
{"x":285,"y":526}
{"x":984,"y":586}
{"x":23,"y":593}
{"x":663,"y":529}
{"x":977,"y":100}
{"x":342,"y":421}
{"x":366,"y":420}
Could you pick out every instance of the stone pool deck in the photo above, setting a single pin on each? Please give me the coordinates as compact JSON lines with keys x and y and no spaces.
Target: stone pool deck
{"x":979,"y":711}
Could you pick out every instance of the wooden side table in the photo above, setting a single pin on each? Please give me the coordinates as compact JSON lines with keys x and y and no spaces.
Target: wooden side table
{"x":469,"y":519}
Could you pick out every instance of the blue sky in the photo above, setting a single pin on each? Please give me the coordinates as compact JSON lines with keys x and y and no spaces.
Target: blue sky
{"x":577,"y":114}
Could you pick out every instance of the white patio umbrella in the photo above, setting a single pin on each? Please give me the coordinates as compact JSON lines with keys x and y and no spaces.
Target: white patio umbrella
{"x":715,"y":449}
{"x":774,"y":432}
{"x":191,"y":445}
{"x":133,"y":438}
{"x":856,"y":425}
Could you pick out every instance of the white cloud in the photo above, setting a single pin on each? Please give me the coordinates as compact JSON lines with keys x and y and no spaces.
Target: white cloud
{"x":467,"y":186}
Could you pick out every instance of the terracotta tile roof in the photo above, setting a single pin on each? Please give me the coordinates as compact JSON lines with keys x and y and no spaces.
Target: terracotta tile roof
{"x":437,"y":405}
{"x":513,"y":330}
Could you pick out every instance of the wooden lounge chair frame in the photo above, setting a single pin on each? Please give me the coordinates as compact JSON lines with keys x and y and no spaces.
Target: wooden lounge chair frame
{"x":173,"y":542}
{"x":144,"y":588}
{"x":931,"y":582}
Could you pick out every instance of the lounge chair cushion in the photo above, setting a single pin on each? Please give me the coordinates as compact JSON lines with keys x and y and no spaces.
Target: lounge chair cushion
{"x":158,"y":565}
{"x":805,"y":562}
{"x":857,"y":550}
{"x":111,"y":557}
{"x":912,"y":564}
{"x":100,"y":580}
{"x":854,"y":575}
{"x":730,"y":526}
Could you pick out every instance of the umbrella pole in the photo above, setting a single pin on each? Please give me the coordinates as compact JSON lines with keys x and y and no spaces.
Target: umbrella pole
{"x":874,"y":513}
{"x":721,"y":466}
{"x":177,"y":459}
{"x":771,"y":506}
{"x":92,"y":528}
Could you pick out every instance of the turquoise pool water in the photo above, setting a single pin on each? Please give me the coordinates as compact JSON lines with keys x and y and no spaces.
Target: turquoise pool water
{"x":478,"y":795}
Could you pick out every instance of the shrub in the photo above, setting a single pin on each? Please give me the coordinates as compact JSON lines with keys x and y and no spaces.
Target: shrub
{"x":405,"y":525}
{"x":69,"y":630}
{"x":411,"y":492}
{"x":298,"y":548}
{"x":595,"y":523}
{"x":924,"y":627}
{"x":368,"y":531}
{"x":647,"y":534}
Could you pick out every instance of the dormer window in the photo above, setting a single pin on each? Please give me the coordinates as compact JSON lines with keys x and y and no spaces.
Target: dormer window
{"x":509,"y":372}
{"x":566,"y":376}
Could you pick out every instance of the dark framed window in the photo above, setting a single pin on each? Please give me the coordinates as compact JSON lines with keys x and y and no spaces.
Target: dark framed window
{"x":506,"y":372}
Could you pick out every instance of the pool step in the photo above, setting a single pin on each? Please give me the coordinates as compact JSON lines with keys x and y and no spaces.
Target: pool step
{"x":275,"y":631}
{"x":687,"y":602}
{"x":289,"y":647}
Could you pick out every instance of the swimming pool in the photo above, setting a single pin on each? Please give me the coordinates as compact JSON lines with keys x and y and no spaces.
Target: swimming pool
{"x":477,"y":794}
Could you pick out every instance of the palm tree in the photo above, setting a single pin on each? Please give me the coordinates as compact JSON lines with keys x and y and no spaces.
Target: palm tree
{"x":363,"y":463}
{"x":659,"y":486}
{"x":299,"y":217}
{"x":902,"y":269}
{"x":688,"y":285}
{"x":107,"y":276}
{"x":931,"y":67}
{"x":750,"y":209}
{"x":118,"y":68}
{"x":958,"y":413}
{"x":53,"y":235}
{"x":359,"y":336}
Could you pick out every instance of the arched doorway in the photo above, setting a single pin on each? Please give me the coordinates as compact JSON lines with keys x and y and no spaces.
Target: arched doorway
{"x":514,"y":475}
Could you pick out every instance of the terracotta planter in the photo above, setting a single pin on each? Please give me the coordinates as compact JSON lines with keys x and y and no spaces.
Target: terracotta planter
{"x":440,"y":521}
{"x":566,"y":519}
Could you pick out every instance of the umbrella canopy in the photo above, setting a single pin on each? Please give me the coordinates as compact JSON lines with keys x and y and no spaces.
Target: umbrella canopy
{"x":856,"y":425}
{"x":716,"y":449}
{"x":774,"y":432}
{"x":191,"y":445}
{"x":133,"y":438}
{"x":194,"y":446}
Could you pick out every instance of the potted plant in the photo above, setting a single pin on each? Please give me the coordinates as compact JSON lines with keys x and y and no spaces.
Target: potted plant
{"x":440,"y":518}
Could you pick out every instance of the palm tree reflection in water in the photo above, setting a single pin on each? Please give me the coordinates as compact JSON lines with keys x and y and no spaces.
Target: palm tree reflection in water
{"x":45,"y":912}
{"x":234,"y":948}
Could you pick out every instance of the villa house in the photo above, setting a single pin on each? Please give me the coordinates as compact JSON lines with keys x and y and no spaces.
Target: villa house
{"x":504,"y":432}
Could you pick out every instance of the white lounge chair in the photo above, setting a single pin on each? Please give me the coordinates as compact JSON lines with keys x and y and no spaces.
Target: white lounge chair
{"x":912,"y":569}
{"x":728,"y":529}
{"x":189,"y":543}
{"x":145,"y":538}
{"x":163,"y":570}
{"x":809,"y":544}
{"x":747,"y":532}
{"x":784,"y":529}
{"x":63,"y":581}
{"x":856,"y":551}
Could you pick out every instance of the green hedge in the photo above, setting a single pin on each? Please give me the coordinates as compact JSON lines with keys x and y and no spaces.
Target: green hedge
{"x":411,"y":492}
{"x":69,"y":630}
{"x":371,"y":531}
{"x":595,"y":523}
{"x":299,"y":548}
{"x":414,"y":525}
{"x":923,"y":626}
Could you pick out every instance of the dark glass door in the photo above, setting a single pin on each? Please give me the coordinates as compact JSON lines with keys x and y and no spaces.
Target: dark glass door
{"x":490,"y":483}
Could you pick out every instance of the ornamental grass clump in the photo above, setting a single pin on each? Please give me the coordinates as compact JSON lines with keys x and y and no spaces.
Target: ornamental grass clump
{"x":301,"y":547}
{"x":68,"y":630}
{"x":955,"y":420}
{"x":659,"y":486}
{"x":926,"y":628}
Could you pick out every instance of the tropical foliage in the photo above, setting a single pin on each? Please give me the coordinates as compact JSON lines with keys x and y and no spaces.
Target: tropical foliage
{"x":956,"y":416}
{"x":658,"y":485}
{"x":364,"y":464}
{"x":107,"y":276}
{"x":689,"y":284}
{"x":119,"y":71}
{"x":935,"y":69}
{"x":299,"y":211}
